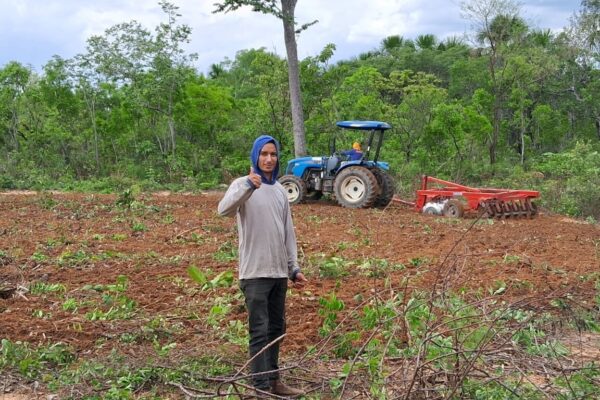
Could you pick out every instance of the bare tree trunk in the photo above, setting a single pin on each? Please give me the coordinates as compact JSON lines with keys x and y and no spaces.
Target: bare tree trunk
{"x":14,"y":127}
{"x":495,"y":131}
{"x":571,"y":132}
{"x":92,"y":106}
{"x":287,"y":7}
{"x":172,"y":131}
{"x":496,"y":106}
{"x":172,"y":135}
{"x":95,"y":129}
{"x":522,"y":134}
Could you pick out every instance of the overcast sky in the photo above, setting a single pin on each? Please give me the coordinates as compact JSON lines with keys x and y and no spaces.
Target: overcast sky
{"x":32,"y":31}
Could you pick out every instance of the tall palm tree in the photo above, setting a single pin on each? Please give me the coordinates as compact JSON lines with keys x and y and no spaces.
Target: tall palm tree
{"x":453,"y":41}
{"x":216,"y":70}
{"x":392,"y":42}
{"x":541,"y":38}
{"x":504,"y":29}
{"x":427,"y":41}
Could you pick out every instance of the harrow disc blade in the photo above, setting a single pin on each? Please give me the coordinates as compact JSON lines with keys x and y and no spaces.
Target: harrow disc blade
{"x":510,"y":209}
{"x":489,"y":209}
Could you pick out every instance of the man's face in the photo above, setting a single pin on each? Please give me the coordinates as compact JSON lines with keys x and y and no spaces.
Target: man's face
{"x":267,"y":159}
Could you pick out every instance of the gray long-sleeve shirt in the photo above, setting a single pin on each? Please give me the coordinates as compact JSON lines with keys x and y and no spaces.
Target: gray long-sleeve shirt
{"x":267,"y":247}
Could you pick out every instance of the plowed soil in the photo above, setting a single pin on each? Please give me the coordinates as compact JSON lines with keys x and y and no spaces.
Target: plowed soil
{"x":77,"y":240}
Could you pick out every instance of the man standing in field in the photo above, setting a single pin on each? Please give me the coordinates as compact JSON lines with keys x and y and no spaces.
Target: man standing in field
{"x":267,"y":258}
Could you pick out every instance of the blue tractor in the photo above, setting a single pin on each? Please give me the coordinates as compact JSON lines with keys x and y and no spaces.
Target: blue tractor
{"x":353,"y":183}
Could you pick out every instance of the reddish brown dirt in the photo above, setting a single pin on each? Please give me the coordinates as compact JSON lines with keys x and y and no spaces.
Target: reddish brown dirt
{"x":77,"y":240}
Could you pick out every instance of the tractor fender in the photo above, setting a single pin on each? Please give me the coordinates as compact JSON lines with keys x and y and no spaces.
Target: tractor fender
{"x":346,"y":164}
{"x":383,"y":165}
{"x":367,"y":164}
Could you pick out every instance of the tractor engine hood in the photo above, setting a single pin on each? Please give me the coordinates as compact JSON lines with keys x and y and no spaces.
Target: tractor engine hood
{"x":298,"y":165}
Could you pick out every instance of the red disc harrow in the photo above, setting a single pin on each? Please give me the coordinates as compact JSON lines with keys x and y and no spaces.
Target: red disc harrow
{"x":452,"y":199}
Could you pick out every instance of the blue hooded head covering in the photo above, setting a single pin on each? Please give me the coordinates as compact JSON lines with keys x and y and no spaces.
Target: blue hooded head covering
{"x":259,"y":143}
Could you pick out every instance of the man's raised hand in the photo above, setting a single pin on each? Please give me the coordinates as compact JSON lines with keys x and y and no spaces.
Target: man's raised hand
{"x":254,"y":178}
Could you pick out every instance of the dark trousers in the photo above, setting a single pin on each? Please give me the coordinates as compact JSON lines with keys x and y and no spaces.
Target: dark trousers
{"x":265,"y":302}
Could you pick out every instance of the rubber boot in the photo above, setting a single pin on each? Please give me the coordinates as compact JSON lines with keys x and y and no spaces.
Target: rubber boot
{"x":281,"y":389}
{"x":259,"y":393}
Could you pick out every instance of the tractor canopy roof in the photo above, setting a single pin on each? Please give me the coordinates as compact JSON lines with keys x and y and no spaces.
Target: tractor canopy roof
{"x":363,"y":125}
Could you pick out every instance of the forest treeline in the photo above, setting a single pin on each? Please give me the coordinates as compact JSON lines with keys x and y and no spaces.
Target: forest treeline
{"x":516,"y":106}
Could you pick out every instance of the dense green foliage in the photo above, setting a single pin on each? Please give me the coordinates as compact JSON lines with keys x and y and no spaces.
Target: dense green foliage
{"x":521,"y":109}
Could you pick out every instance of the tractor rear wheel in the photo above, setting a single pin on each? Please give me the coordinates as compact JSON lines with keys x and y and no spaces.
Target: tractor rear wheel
{"x":356,"y":187}
{"x":386,"y":184}
{"x":453,"y":209}
{"x":295,"y":188}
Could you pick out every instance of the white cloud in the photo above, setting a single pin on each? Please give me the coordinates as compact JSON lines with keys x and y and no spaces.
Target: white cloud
{"x":95,"y":20}
{"x":33,"y":30}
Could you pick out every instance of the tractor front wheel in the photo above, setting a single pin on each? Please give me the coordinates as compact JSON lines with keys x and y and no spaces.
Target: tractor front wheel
{"x":356,"y":187}
{"x":295,"y":188}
